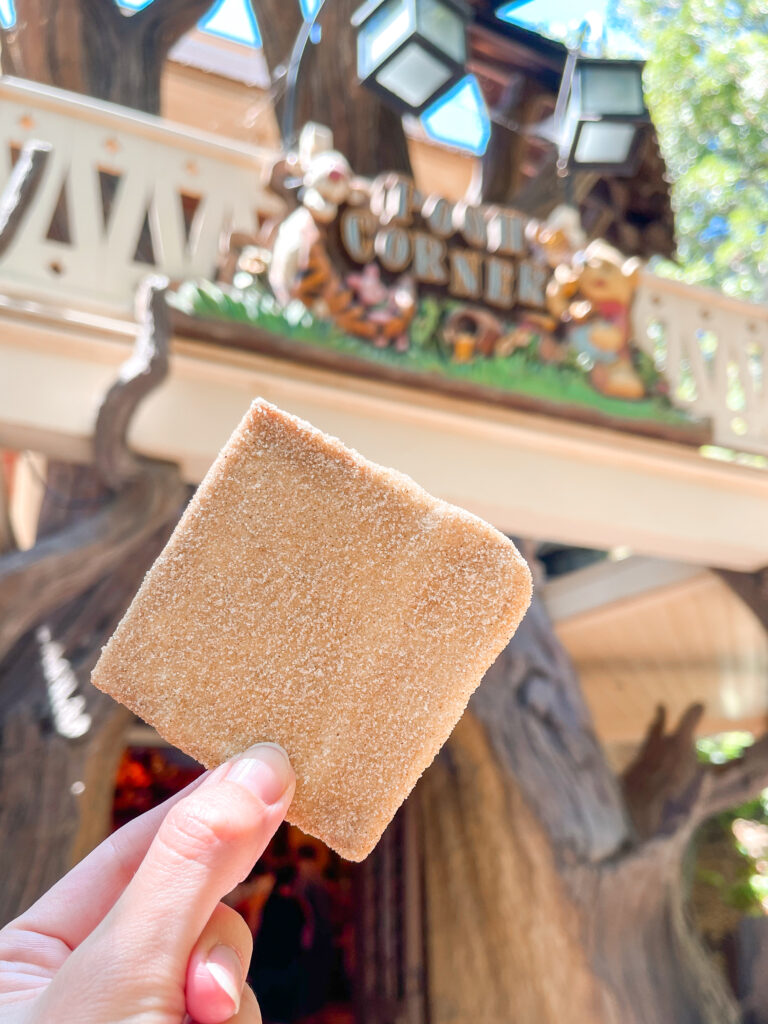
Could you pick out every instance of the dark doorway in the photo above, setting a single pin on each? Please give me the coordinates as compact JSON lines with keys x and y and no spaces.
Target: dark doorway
{"x":300,"y":902}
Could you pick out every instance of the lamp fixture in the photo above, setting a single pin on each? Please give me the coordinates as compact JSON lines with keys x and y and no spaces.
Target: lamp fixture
{"x":605,"y":111}
{"x":411,"y":51}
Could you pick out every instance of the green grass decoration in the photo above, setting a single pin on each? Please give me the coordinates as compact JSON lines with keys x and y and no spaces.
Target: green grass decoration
{"x":521,"y":373}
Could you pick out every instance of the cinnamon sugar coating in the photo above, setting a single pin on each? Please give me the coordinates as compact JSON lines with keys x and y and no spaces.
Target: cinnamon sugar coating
{"x":312,"y":598}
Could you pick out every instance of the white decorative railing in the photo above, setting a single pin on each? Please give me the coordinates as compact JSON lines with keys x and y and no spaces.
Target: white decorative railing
{"x":125,"y":194}
{"x":713,"y":351}
{"x":122,"y":194}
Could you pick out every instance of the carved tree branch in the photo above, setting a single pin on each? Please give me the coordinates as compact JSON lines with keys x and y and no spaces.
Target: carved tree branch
{"x":146,"y":368}
{"x":163,"y":22}
{"x":669,"y":792}
{"x":277,"y":34}
{"x":539,"y":728}
{"x":58,"y":568}
{"x":106,"y":18}
{"x":66,"y":563}
{"x":369,"y":134}
{"x":44,"y":44}
{"x":662,"y":785}
{"x":47,"y":823}
{"x":92,"y":47}
{"x":726,"y":786}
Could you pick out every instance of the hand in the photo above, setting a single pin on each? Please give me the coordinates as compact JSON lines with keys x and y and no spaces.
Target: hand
{"x":136,"y":932}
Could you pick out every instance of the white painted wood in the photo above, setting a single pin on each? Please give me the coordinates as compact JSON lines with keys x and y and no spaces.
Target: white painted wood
{"x":529,"y":475}
{"x":223,"y":57}
{"x":27,"y":495}
{"x":718,"y":345}
{"x":595,"y":586}
{"x":157,"y":162}
{"x":713,"y":348}
{"x":691,"y":641}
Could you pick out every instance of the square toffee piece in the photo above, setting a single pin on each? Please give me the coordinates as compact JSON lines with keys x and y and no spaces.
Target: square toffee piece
{"x":312,"y":598}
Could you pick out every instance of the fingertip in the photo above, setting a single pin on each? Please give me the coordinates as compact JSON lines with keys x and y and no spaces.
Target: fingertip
{"x":214,"y":985}
{"x":264,"y":770}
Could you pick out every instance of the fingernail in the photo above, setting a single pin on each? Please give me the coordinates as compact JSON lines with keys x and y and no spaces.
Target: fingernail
{"x":223,"y":965}
{"x":264,"y":769}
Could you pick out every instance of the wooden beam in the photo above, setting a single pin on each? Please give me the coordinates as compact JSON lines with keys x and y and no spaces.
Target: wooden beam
{"x":597,"y":586}
{"x":530,"y":475}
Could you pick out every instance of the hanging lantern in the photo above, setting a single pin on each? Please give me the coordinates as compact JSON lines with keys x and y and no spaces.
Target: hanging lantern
{"x":604,"y":117}
{"x":411,"y":51}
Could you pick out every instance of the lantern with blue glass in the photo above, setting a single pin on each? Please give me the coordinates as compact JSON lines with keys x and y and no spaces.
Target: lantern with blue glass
{"x":411,"y":51}
{"x":602,"y":124}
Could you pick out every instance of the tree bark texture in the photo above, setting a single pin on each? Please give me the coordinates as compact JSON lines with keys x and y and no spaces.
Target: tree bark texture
{"x":56,"y":789}
{"x":554,"y":890}
{"x":92,"y":47}
{"x":365,"y":130}
{"x":101,"y":527}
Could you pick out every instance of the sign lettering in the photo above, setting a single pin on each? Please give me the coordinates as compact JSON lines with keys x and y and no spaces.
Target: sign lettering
{"x":478,"y":253}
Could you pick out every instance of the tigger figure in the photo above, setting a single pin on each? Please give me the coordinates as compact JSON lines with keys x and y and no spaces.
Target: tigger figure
{"x":300,"y":267}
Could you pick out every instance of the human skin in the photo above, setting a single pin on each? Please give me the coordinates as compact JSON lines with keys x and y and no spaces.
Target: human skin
{"x":137,"y":932}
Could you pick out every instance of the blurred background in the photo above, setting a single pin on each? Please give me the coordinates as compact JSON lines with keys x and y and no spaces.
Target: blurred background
{"x":518,"y":252}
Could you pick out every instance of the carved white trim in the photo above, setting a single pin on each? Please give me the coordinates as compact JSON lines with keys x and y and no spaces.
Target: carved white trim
{"x":155,"y":165}
{"x":714,"y":352}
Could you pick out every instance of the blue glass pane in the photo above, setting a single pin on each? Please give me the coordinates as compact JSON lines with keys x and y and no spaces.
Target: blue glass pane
{"x":460,"y":118}
{"x":229,"y":19}
{"x":7,"y":13}
{"x":232,"y":19}
{"x":562,"y":19}
{"x":538,"y":13}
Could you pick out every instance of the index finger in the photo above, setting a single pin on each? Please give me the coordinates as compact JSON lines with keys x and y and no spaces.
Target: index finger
{"x":206,"y":844}
{"x":93,"y":886}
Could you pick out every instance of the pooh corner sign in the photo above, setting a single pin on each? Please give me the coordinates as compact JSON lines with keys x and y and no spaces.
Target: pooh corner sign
{"x":375,"y":278}
{"x":476,"y":253}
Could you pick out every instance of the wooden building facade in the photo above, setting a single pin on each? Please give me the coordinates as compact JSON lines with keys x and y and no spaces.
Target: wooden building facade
{"x":522,"y":880}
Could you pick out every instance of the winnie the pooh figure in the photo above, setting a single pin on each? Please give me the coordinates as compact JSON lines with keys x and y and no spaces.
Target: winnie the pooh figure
{"x":592,"y":296}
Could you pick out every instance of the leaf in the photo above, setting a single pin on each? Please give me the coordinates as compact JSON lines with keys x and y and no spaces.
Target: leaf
{"x":707,"y":89}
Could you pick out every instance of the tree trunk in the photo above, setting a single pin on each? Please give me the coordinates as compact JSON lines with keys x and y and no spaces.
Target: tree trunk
{"x":100,"y":528}
{"x":60,"y":738}
{"x":92,"y":47}
{"x":365,"y":130}
{"x":553,"y":892}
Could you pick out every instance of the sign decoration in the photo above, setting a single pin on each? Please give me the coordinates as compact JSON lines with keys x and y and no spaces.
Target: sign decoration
{"x":379,"y":271}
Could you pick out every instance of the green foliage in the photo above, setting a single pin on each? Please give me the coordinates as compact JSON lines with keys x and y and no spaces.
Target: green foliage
{"x":707,"y":88}
{"x":726,"y":746}
{"x":743,"y":894}
{"x":748,"y":892}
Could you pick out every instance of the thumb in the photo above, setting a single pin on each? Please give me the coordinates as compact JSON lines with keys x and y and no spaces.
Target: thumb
{"x":207,"y":843}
